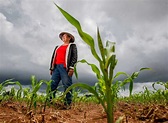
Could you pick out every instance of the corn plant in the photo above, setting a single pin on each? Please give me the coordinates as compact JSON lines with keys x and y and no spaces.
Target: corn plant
{"x":2,"y":85}
{"x":34,"y":98}
{"x":106,"y":92}
{"x":150,"y":96}
{"x":160,"y":92}
{"x":75,"y":94}
{"x":26,"y":92}
{"x":10,"y":82}
{"x":164,"y":84}
{"x":33,"y":95}
{"x":1,"y":91}
{"x":48,"y":93}
{"x":129,"y":79}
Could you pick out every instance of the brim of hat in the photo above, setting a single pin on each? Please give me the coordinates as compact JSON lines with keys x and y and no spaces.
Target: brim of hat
{"x":62,"y":33}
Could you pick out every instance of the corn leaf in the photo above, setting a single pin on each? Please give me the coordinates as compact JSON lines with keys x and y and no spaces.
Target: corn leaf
{"x":131,"y":86}
{"x":110,"y":49}
{"x":100,"y":44}
{"x":145,"y":69}
{"x":86,"y":37}
{"x":94,"y":68}
{"x":113,"y":63}
{"x":89,"y":88}
{"x":37,"y":87}
{"x":120,"y":73}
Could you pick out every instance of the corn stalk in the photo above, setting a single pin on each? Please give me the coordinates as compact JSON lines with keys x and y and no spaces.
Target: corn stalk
{"x":106,"y":92}
{"x":107,"y":63}
{"x":35,"y":87}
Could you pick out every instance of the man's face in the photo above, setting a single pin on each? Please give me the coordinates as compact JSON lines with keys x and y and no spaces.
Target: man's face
{"x":66,"y":38}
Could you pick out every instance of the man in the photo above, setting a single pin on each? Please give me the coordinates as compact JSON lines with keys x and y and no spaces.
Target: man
{"x":62,"y":64}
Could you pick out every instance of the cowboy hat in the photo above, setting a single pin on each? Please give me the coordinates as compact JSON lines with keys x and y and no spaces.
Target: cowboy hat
{"x":72,"y":37}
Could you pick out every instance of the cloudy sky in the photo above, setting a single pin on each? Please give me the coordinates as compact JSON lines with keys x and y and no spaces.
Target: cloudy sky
{"x":29,"y":32}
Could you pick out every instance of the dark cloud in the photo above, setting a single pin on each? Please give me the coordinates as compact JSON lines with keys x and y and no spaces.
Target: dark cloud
{"x":30,"y":32}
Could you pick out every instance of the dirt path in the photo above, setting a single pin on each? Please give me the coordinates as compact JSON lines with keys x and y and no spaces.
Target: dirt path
{"x":14,"y":112}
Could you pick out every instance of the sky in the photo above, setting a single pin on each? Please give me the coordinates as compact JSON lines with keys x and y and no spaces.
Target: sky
{"x":29,"y":32}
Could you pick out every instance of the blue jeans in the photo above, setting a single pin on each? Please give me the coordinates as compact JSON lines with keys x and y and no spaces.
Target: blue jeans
{"x":60,"y":73}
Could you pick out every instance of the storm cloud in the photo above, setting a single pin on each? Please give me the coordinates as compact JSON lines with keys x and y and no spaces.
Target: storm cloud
{"x":29,"y":32}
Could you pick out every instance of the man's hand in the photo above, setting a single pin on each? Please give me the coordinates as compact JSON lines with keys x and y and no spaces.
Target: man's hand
{"x":70,"y":72}
{"x":51,"y":72}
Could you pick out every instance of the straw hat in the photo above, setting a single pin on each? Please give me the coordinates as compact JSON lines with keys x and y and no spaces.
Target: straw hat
{"x":72,"y":37}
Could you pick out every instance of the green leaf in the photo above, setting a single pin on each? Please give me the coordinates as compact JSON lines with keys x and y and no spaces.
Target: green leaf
{"x":37,"y":86}
{"x":33,"y":81}
{"x":89,"y":88}
{"x":113,"y":63}
{"x":13,"y":83}
{"x":75,"y":71}
{"x":134,"y":75}
{"x":165,"y":84}
{"x":102,"y":85}
{"x":8,"y":82}
{"x":110,"y":52}
{"x":94,"y":68}
{"x":120,"y":73}
{"x":145,"y":69}
{"x":86,"y":37}
{"x":100,"y":44}
{"x":131,"y":86}
{"x":48,"y":83}
{"x":110,"y":48}
{"x":127,"y":80}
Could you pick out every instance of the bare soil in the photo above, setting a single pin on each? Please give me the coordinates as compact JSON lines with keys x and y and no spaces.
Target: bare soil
{"x":16,"y":112}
